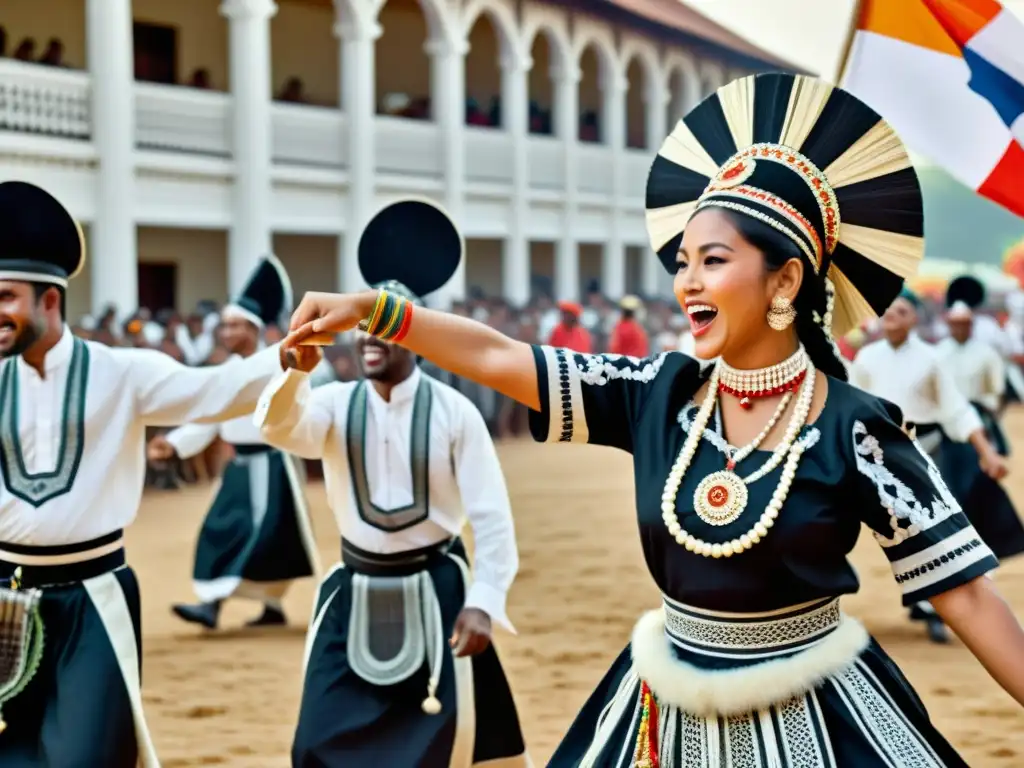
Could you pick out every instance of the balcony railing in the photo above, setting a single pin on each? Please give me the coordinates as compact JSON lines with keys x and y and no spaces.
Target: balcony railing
{"x":187,"y":121}
{"x":43,"y":100}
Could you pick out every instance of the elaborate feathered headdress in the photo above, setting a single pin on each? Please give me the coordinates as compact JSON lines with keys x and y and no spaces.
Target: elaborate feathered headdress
{"x":811,"y":161}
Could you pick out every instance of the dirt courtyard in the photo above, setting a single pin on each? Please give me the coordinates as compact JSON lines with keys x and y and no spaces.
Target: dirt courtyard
{"x":231,"y":698}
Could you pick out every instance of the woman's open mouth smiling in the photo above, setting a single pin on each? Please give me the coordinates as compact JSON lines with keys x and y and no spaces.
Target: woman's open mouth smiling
{"x":701,"y":318}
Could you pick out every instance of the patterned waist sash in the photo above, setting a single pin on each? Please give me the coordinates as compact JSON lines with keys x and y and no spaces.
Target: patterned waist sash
{"x":744,"y":638}
{"x":710,"y":663}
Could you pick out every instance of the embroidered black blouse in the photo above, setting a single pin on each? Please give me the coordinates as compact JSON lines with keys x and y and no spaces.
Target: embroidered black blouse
{"x":859,"y":466}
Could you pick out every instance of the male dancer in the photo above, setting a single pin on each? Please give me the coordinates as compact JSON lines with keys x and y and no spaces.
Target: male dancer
{"x":406,"y":460}
{"x":905,"y":370}
{"x":257,"y":537}
{"x":73,"y":416}
{"x":970,"y":291}
{"x":978,"y":372}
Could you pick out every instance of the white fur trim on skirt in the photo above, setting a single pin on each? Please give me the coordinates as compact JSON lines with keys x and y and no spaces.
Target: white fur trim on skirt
{"x":741,"y":689}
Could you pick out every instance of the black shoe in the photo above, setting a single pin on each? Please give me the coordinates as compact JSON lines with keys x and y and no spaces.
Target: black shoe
{"x":937,"y":631}
{"x":271,"y":617}
{"x":205,"y":614}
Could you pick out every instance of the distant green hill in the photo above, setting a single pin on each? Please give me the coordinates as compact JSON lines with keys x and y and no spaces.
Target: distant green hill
{"x":961,"y":225}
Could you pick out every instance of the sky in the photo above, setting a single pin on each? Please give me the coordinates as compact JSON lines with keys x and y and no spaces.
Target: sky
{"x":809,"y":33}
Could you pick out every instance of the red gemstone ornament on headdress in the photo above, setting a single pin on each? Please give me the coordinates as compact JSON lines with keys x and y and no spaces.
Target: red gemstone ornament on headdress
{"x":734,"y":174}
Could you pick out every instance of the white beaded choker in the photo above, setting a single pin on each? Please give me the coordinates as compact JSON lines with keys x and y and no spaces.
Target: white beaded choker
{"x":767,"y":379}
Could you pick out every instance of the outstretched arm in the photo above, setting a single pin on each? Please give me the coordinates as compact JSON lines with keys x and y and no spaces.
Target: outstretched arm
{"x":293,"y":416}
{"x":984,"y":622}
{"x":168,"y":393}
{"x":462,"y":346}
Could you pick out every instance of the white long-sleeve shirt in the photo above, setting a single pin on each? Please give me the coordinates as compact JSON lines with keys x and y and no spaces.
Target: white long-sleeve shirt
{"x":192,"y":439}
{"x":100,"y":459}
{"x":912,"y":377}
{"x":465,"y":477}
{"x":976,"y":368}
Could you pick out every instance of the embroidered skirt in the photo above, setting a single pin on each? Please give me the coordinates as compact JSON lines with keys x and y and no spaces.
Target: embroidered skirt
{"x":803,"y":687}
{"x":257,"y":536}
{"x":83,"y":705}
{"x":377,"y":651}
{"x":984,"y":500}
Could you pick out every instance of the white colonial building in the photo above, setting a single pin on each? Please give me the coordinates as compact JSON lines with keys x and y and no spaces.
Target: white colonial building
{"x":192,"y":136}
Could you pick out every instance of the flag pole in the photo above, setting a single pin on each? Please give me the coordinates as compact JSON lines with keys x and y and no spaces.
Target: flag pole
{"x":851,"y":33}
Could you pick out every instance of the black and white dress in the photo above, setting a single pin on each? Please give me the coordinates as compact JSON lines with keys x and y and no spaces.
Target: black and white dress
{"x":403,"y":475}
{"x":750,"y":659}
{"x":257,"y":537}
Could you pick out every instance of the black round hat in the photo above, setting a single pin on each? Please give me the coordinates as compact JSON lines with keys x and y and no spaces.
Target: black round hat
{"x":413,"y":242}
{"x":39,"y":240}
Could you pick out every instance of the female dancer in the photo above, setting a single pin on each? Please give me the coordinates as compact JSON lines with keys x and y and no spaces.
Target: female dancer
{"x":786,"y":209}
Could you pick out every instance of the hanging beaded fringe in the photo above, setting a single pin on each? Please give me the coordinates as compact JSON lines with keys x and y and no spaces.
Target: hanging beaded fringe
{"x":826,"y":321}
{"x":646,"y":753}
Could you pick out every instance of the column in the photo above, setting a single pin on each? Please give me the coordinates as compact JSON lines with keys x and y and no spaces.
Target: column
{"x":658,"y":99}
{"x":651,"y":272}
{"x":357,"y":32}
{"x":251,"y":235}
{"x":448,"y":93}
{"x":567,"y":257}
{"x":613,"y":256}
{"x":515,"y":96}
{"x":113,"y":244}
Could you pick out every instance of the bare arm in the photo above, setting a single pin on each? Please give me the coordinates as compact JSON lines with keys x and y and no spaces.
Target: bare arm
{"x":462,"y":346}
{"x":987,"y":626}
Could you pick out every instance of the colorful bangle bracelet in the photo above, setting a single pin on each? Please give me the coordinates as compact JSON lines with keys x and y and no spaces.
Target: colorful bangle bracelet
{"x":403,"y":329}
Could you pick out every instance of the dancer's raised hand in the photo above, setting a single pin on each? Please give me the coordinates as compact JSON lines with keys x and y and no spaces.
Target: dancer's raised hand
{"x":320,"y":316}
{"x":304,"y":357}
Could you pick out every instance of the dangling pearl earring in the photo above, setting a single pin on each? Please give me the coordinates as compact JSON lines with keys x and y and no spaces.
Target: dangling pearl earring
{"x":781,"y":313}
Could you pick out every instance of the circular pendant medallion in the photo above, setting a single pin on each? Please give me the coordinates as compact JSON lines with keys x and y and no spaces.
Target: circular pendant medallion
{"x":720,"y":498}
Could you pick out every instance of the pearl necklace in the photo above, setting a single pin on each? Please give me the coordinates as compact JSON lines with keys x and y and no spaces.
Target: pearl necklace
{"x":763,"y":382}
{"x":789,"y":448}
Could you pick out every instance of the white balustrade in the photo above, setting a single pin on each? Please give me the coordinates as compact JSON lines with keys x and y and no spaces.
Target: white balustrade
{"x":308,"y":135}
{"x":596,"y":169}
{"x":181,"y":119}
{"x":489,"y":155}
{"x":53,"y":101}
{"x":546,"y":162}
{"x":638,"y":166}
{"x":407,"y":147}
{"x":47,"y":100}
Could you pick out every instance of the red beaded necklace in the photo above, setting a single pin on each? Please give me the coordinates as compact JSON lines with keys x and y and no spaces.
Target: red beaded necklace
{"x":747,"y":396}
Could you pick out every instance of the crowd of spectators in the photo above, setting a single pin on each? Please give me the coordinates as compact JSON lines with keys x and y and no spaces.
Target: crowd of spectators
{"x":596,"y":324}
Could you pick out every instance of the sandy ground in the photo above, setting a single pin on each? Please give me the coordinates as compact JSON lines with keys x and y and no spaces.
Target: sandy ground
{"x":231,"y":698}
